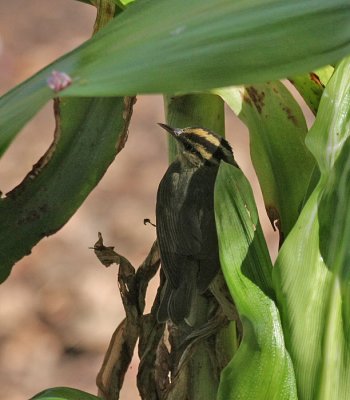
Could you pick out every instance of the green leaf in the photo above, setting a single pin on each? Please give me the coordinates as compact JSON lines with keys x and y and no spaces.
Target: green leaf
{"x":180,"y":46}
{"x":89,"y":133}
{"x":311,"y":86}
{"x":311,"y":274}
{"x":18,"y":106}
{"x":277,"y":130}
{"x":64,"y":393}
{"x":123,"y":2}
{"x":167,"y":46}
{"x":261,"y":368}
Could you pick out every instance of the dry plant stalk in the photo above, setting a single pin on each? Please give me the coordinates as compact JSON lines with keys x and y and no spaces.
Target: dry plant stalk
{"x":168,"y":353}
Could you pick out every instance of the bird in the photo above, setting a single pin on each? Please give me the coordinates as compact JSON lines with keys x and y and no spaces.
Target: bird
{"x":185,"y":219}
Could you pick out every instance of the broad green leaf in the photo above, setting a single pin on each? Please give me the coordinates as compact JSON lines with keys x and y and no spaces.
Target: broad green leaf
{"x":64,"y":393}
{"x":89,"y":133}
{"x":311,"y":274}
{"x":261,"y":368}
{"x":311,"y":86}
{"x":277,"y":130}
{"x":123,"y":2}
{"x":180,"y":46}
{"x":18,"y":106}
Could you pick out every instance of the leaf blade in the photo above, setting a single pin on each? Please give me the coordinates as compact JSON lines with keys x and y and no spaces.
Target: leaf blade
{"x":89,"y":133}
{"x":231,"y":42}
{"x":261,"y":368}
{"x":312,"y":282}
{"x":277,"y":131}
{"x":64,"y":393}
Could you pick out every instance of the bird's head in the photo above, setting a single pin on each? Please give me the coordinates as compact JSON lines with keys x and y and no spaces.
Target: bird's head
{"x":202,"y":145}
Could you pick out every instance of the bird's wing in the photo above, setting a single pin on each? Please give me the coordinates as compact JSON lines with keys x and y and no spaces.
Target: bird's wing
{"x":184,"y":212}
{"x":178,"y":235}
{"x":208,"y":256}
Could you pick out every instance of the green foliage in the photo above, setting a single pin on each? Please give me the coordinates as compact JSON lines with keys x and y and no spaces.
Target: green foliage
{"x":295,"y":316}
{"x":277,"y":130}
{"x":61,"y":180}
{"x":261,"y":368}
{"x":311,"y":273}
{"x":63,"y":393}
{"x":311,"y":85}
{"x":149,"y":48}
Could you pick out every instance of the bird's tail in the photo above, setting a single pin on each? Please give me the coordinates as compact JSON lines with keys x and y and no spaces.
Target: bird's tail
{"x":176,"y":303}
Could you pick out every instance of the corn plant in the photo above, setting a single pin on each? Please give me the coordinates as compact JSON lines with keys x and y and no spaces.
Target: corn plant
{"x":201,"y":54}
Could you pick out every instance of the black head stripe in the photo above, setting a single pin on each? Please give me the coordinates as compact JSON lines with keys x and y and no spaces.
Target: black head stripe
{"x":224,"y":143}
{"x":221,"y":152}
{"x":201,"y":141}
{"x":188,"y":145}
{"x":206,"y":145}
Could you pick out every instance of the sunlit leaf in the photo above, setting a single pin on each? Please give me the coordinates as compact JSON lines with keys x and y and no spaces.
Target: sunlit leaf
{"x":172,"y":46}
{"x":312,"y":270}
{"x":261,"y":368}
{"x":64,"y":393}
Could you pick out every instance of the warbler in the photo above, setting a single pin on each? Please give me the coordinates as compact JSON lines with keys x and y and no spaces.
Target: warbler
{"x":185,"y":219}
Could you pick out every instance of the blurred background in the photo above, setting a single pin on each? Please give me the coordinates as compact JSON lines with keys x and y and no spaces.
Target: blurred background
{"x":59,"y":307}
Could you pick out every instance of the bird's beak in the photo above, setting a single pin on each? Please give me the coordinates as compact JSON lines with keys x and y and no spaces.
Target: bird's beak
{"x":173,"y":131}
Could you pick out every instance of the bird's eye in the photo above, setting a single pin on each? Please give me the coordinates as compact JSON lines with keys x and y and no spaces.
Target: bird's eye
{"x":188,"y":147}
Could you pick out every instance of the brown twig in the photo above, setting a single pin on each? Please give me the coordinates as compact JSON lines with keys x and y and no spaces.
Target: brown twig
{"x":168,"y":357}
{"x":133,"y":286}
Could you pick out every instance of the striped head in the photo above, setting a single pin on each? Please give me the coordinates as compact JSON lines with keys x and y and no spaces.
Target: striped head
{"x":202,"y":146}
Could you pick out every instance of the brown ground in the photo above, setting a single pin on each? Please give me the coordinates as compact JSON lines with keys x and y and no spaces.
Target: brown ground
{"x":59,"y":307}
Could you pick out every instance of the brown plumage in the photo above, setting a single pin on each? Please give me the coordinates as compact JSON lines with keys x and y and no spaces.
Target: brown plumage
{"x":186,"y":228}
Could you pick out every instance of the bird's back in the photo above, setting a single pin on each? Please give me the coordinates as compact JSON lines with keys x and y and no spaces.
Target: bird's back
{"x":186,"y":235}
